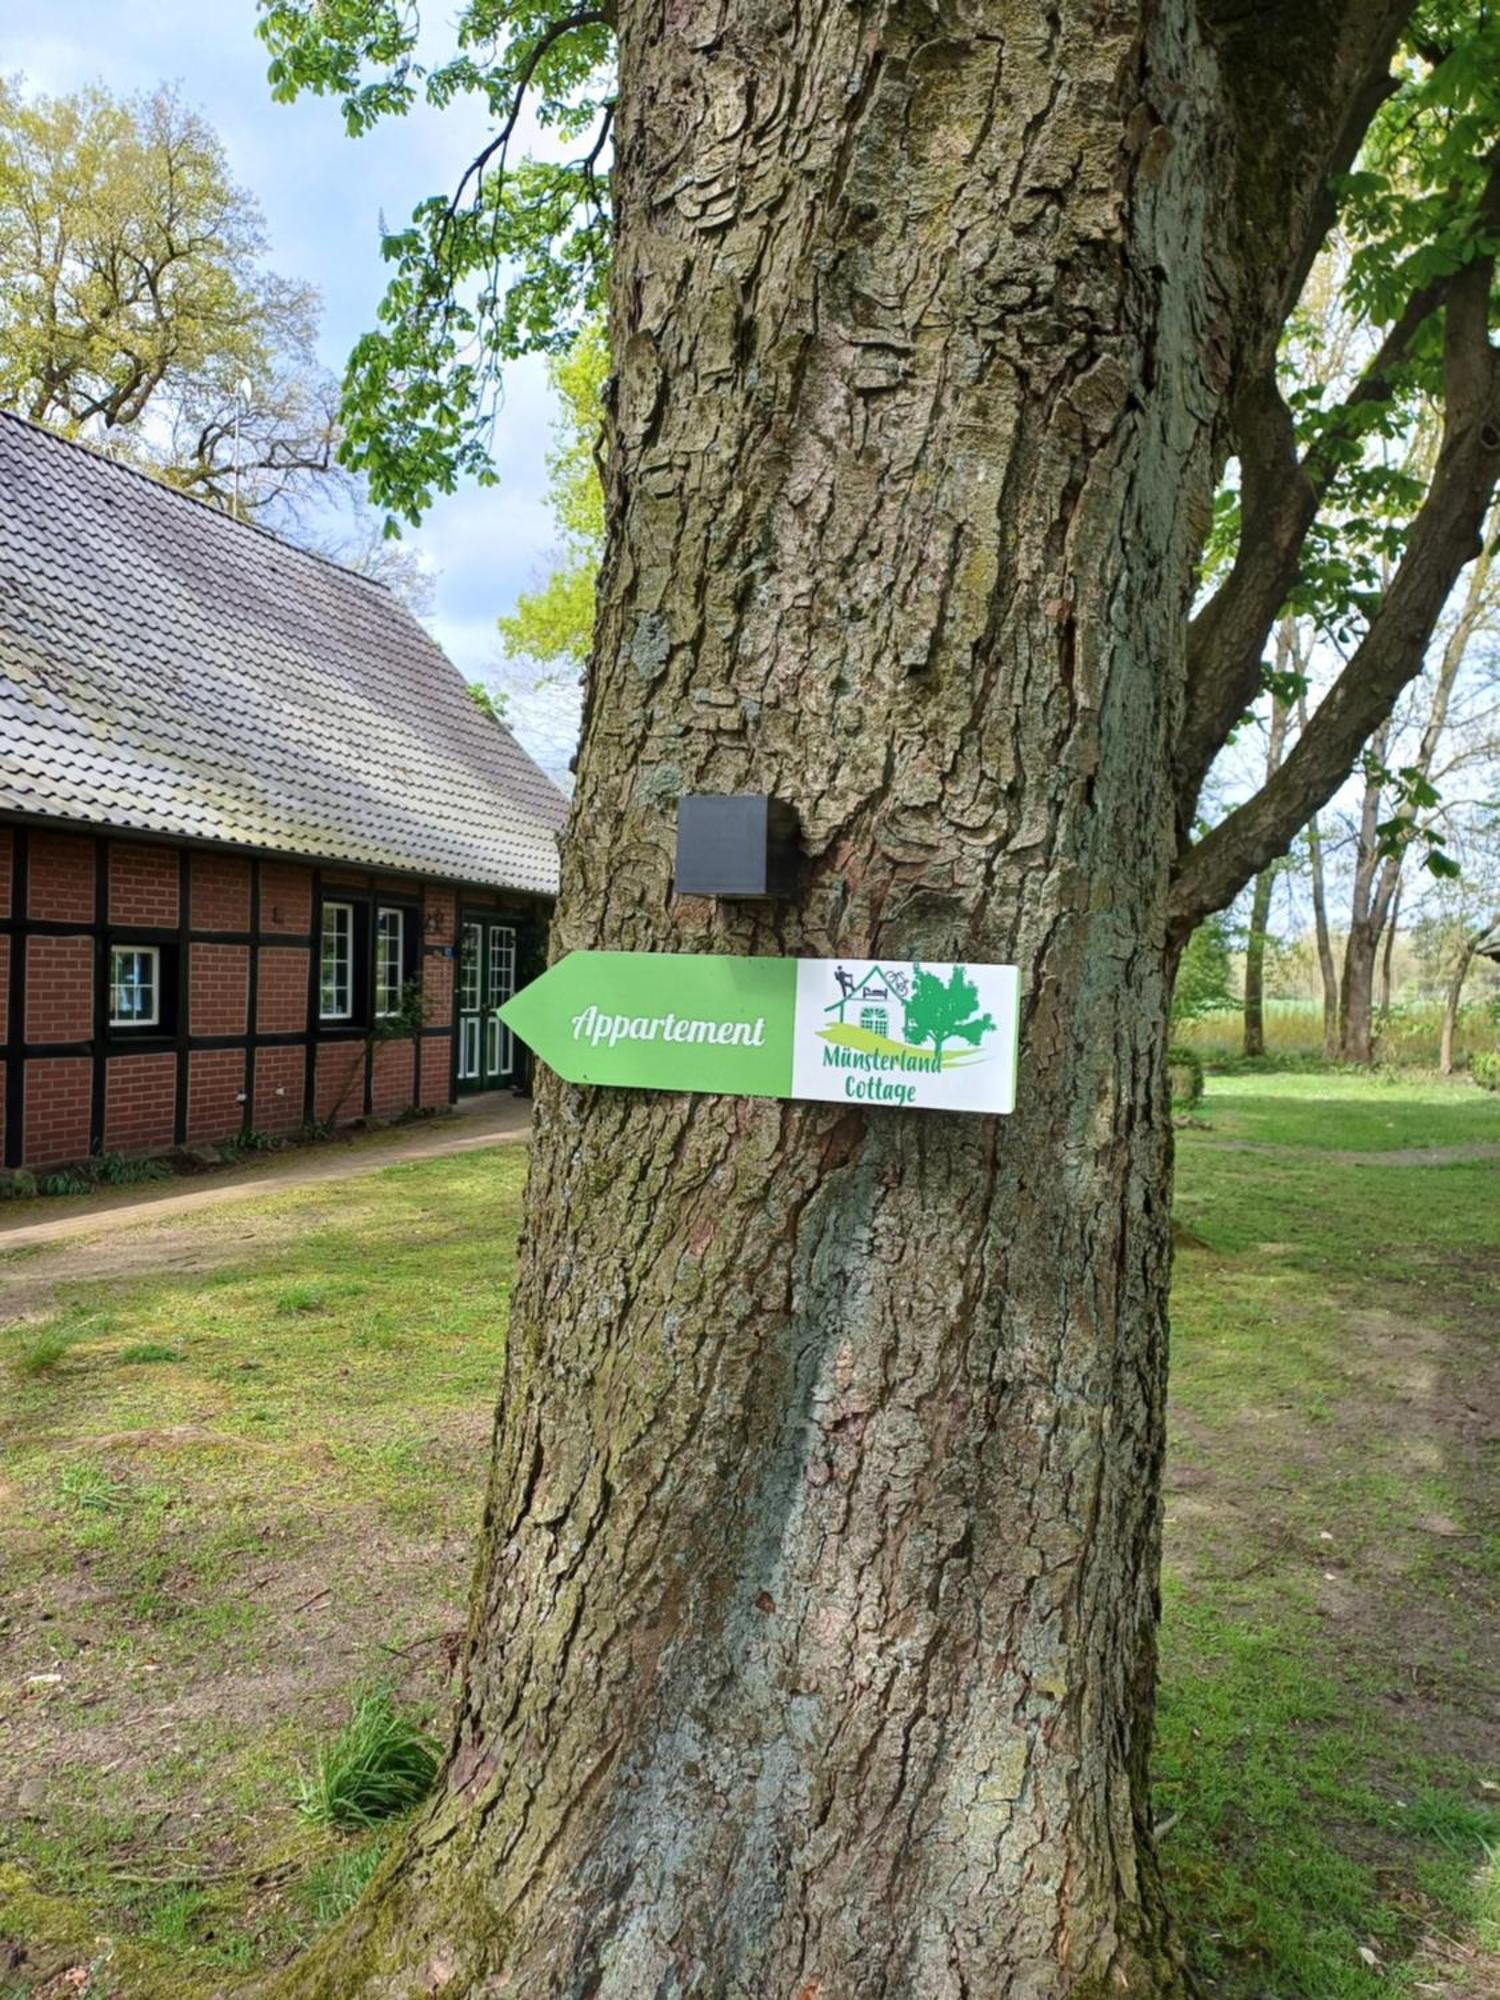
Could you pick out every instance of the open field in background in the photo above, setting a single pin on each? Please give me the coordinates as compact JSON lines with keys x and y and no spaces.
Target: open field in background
{"x":1408,"y":1037}
{"x":242,"y":1479}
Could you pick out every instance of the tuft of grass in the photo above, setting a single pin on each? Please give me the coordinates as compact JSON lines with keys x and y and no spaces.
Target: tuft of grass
{"x":331,"y":1888}
{"x":92,"y":1489}
{"x":301,"y":1299}
{"x":381,"y":1762}
{"x":151,"y":1350}
{"x":41,"y":1355}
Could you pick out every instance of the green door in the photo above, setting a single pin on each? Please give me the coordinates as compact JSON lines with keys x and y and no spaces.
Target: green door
{"x":486,"y":980}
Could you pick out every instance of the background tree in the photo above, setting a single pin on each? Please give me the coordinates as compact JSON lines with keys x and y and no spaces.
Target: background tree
{"x":812,"y":1647}
{"x":553,"y":626}
{"x":1260,"y":901}
{"x":1204,"y":979}
{"x":135,"y":307}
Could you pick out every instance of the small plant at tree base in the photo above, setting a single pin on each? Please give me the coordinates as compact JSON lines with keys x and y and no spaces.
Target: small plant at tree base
{"x":332,"y":1887}
{"x":380,"y":1763}
{"x":1184,"y":1077}
{"x":1484,"y":1067}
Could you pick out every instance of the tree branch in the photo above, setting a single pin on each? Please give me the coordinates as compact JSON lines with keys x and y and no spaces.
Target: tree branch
{"x":500,"y":144}
{"x":1281,"y":496}
{"x":1445,"y":535}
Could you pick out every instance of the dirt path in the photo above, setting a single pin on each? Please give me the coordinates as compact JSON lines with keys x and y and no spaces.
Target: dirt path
{"x":484,"y":1121}
{"x":163,"y":1227}
{"x":1395,"y":1156}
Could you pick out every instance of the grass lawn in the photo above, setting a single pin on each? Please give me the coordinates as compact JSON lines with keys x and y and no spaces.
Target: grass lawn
{"x":242,"y":1474}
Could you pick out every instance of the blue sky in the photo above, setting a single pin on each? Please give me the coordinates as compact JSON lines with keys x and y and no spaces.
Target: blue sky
{"x":323,"y":197}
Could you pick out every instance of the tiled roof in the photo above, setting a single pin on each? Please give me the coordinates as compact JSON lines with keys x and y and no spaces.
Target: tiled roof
{"x":165,"y":669}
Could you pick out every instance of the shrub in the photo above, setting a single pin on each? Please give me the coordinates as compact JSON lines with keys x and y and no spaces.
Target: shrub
{"x":1184,"y":1077}
{"x":380,"y":1763}
{"x":1484,"y":1067}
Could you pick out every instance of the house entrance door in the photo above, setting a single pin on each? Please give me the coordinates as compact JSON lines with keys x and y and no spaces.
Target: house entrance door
{"x":486,"y":980}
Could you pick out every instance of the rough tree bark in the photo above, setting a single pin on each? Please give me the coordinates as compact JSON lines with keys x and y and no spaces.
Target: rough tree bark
{"x":812,"y":1646}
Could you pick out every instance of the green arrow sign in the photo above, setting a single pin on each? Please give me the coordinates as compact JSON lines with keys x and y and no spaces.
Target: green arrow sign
{"x":913,"y":1036}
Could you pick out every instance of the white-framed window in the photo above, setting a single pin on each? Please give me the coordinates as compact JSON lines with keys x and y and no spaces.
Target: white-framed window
{"x":390,"y":944}
{"x":336,"y":963}
{"x":470,"y":970}
{"x":134,"y":986}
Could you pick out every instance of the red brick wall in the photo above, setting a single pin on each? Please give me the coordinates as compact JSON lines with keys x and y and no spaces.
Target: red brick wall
{"x":140,"y":1084}
{"x":281,"y":990}
{"x":437,"y":1069}
{"x":285,"y":897}
{"x":219,"y":989}
{"x":283,"y":1071}
{"x":441,"y":904}
{"x":220,"y":892}
{"x":60,"y":878}
{"x":339,"y":1094}
{"x":439,"y":908}
{"x":59,"y":989}
{"x":215,"y":1079}
{"x":140,"y":1103}
{"x":59,"y":1090}
{"x":142,"y":885}
{"x":391,"y":1077}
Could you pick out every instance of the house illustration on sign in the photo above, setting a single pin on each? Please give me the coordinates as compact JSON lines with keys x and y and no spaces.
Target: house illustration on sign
{"x":871,"y":995}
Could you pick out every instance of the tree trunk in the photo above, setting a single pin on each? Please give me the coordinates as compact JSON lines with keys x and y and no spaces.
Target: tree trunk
{"x":1260,"y":902}
{"x":1357,"y":995}
{"x":1357,"y":988}
{"x":812,"y":1648}
{"x":1255,"y":965}
{"x":1453,"y":1000}
{"x":1327,"y":967}
{"x":1388,"y":952}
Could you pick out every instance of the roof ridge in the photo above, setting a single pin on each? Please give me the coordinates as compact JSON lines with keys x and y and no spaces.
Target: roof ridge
{"x":101,"y":456}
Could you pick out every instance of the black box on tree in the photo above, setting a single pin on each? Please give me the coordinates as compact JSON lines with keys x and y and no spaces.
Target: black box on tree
{"x":735,"y":845}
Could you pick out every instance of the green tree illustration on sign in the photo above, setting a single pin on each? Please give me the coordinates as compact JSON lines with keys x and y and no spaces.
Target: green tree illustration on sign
{"x":936,"y":1013}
